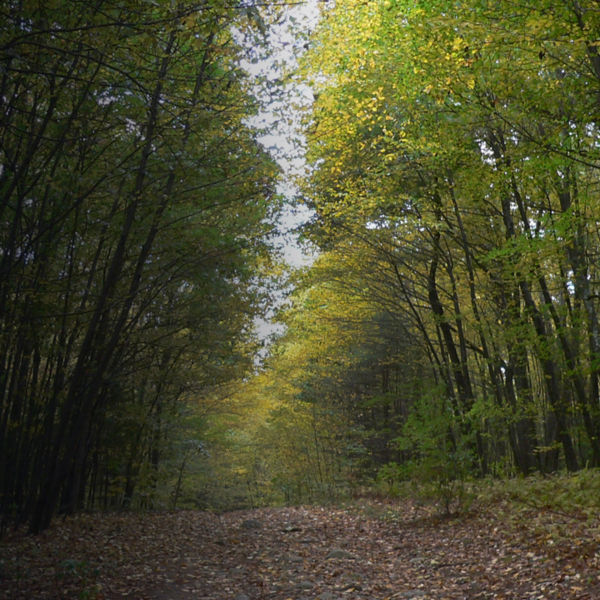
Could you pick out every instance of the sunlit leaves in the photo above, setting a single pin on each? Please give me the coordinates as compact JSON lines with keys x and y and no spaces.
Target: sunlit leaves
{"x":458,"y":143}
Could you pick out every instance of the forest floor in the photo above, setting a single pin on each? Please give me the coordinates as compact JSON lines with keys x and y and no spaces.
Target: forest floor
{"x":366,"y":550}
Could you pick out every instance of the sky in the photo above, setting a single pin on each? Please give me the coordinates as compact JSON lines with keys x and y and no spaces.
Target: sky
{"x":279,"y":121}
{"x":279,"y":129}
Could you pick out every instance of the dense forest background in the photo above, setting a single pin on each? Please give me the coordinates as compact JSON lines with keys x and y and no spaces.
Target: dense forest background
{"x":447,"y":328}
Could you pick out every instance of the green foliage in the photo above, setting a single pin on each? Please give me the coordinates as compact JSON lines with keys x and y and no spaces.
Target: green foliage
{"x":134,"y":217}
{"x":449,"y":327}
{"x":454,"y":174}
{"x":442,"y":458}
{"x":568,"y":494}
{"x":392,"y":478}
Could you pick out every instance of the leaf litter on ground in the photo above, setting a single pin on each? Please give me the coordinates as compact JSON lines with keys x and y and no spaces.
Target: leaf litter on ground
{"x":368,"y":550}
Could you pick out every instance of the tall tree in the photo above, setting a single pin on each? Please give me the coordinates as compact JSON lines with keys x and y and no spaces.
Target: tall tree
{"x":133,"y":211}
{"x":450,"y":140}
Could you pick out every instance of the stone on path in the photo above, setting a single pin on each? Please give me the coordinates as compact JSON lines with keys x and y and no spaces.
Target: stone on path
{"x":327,"y":596}
{"x":339,"y":553}
{"x":251,"y":524}
{"x":304,"y":585}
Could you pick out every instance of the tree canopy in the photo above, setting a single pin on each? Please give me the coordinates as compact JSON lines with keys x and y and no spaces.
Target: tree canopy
{"x":134,"y":212}
{"x":453,"y":174}
{"x":448,"y":328}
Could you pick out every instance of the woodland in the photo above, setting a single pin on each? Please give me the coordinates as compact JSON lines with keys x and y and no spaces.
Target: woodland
{"x":443,"y":336}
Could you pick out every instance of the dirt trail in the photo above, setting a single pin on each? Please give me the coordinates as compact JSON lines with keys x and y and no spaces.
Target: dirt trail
{"x":378,"y":552}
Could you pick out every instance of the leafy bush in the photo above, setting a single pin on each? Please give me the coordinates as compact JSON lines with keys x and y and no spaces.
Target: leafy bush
{"x":442,"y":454}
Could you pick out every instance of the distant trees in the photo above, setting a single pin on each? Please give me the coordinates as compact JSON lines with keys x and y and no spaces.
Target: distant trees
{"x":133,"y":211}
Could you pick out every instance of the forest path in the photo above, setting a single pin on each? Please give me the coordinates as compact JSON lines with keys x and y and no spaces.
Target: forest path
{"x":371,"y":551}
